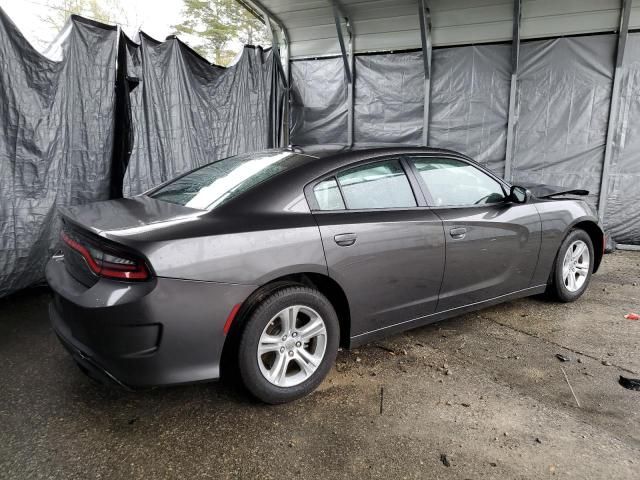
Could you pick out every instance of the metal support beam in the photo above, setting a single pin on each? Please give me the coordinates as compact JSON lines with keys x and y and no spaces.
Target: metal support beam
{"x":623,"y":33}
{"x":424,"y":14}
{"x":337,"y":16}
{"x":351,"y":86}
{"x":274,"y":100}
{"x":280,"y":44}
{"x":513,"y":92}
{"x":348,"y":61}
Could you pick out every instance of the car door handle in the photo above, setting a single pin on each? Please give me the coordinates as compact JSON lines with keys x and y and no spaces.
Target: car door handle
{"x":458,"y":232}
{"x":345,"y":239}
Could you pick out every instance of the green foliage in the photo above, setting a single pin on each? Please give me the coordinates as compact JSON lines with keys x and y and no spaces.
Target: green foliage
{"x":214,"y":24}
{"x":105,"y":11}
{"x":211,"y":27}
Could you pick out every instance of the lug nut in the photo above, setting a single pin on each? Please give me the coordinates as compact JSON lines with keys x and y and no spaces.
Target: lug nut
{"x":294,"y":334}
{"x":284,"y":337}
{"x":281,"y":349}
{"x":291,"y":353}
{"x":298,"y":344}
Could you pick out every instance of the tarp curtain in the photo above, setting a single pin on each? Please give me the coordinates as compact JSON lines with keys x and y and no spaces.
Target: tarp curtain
{"x":564,"y":89}
{"x":622,"y":217}
{"x":470,"y":102}
{"x":186,"y":113}
{"x":389,"y":99}
{"x":67,"y":136}
{"x":318,"y":102}
{"x":56,"y":136}
{"x":564,"y":93}
{"x":113,"y":118}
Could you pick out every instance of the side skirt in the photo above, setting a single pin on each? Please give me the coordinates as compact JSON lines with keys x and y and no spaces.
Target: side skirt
{"x":379,"y":333}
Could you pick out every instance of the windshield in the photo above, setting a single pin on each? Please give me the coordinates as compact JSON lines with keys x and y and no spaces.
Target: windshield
{"x":214,"y":184}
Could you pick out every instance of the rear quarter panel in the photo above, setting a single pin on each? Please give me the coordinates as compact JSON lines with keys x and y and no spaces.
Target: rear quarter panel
{"x":245,"y":250}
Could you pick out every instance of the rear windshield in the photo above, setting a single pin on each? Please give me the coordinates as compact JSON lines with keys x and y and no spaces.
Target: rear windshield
{"x":214,"y":184}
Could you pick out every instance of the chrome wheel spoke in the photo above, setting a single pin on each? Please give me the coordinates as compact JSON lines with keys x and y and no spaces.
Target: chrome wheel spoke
{"x":312,"y":329}
{"x":578,"y":251}
{"x":278,"y":370}
{"x":582,"y":270}
{"x":289,"y":318}
{"x":306,"y":368}
{"x":306,"y":362}
{"x":268,"y":343}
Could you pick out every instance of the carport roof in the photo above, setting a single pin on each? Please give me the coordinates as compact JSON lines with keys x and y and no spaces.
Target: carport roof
{"x":387,"y":25}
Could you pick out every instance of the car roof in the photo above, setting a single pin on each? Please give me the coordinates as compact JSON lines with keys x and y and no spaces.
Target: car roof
{"x":329,"y":150}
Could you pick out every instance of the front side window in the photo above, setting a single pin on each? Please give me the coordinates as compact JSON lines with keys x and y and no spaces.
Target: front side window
{"x":214,"y":184}
{"x":377,"y":185}
{"x":455,"y":183}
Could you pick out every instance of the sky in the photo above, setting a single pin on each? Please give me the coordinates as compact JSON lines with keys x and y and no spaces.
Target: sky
{"x":154,"y":17}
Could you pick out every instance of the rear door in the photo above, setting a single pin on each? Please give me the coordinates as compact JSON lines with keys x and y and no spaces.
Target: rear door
{"x":382,"y":244}
{"x":492,"y":244}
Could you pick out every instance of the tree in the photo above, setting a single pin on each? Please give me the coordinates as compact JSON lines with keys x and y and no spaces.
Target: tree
{"x":105,"y":11}
{"x":214,"y":24}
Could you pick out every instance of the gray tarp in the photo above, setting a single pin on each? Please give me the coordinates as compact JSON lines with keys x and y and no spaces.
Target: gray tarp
{"x":56,"y":136}
{"x":564,"y":88}
{"x":468,"y":110}
{"x":389,"y":100}
{"x":564,"y":93}
{"x":175,"y":111}
{"x":68,"y":136}
{"x":186,"y":113}
{"x":318,"y":102}
{"x":622,"y":216}
{"x":470,"y":102}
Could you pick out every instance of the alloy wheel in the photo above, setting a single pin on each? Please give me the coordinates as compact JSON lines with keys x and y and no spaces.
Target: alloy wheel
{"x":292,"y":346}
{"x":575,"y":266}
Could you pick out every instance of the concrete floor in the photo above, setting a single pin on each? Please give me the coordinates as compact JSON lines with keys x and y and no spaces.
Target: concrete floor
{"x":486,"y":390}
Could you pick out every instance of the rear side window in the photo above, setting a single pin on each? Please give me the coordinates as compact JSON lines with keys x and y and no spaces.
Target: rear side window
{"x":456,"y":183}
{"x":328,"y":195}
{"x":377,"y":185}
{"x":220,"y":181}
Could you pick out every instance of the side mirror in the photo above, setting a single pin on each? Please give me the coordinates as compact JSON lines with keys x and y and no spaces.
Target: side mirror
{"x":518,"y":194}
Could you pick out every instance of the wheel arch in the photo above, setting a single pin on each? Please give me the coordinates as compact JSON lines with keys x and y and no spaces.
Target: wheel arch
{"x":597,"y":238}
{"x":321,"y":282}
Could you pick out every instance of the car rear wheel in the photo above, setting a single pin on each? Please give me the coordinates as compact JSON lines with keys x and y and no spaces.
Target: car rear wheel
{"x":288,"y":345}
{"x":573,"y":267}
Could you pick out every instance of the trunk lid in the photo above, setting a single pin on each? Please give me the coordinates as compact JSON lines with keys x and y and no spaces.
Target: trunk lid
{"x":130,"y":220}
{"x":122,"y":226}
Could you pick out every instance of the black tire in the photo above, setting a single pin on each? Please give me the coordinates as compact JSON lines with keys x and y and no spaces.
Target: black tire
{"x":250,"y":372}
{"x":557,"y":289}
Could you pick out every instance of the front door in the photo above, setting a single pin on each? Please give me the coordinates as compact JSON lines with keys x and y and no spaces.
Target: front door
{"x":492,"y":244}
{"x":385,"y":251}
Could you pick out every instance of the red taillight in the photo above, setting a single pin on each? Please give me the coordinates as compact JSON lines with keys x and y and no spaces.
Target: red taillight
{"x":107,"y":264}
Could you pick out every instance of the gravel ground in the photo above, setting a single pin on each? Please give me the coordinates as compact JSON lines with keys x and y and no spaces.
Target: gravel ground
{"x":479,"y":396}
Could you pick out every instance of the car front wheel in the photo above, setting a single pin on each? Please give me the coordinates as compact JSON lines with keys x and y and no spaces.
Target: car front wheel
{"x":573,"y":267}
{"x":288,"y":345}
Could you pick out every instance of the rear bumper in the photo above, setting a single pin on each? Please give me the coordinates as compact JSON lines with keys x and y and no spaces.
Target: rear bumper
{"x":86,"y":363}
{"x":137,"y":335}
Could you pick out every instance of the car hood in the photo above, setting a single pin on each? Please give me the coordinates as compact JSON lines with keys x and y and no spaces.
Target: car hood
{"x":129,"y":217}
{"x":545,"y":191}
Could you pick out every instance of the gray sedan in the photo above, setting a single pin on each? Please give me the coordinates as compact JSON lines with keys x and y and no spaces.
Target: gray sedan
{"x":262,"y":265}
